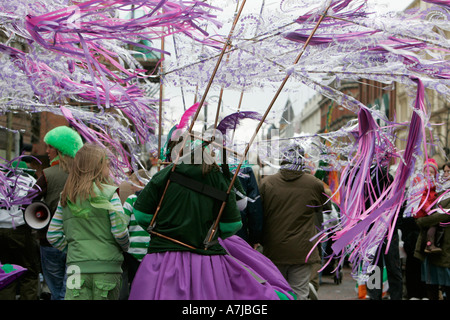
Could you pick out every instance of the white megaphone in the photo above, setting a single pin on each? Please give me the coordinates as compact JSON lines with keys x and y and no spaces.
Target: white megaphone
{"x":37,"y":215}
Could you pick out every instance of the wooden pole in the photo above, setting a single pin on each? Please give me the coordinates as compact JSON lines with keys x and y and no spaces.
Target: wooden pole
{"x":236,"y":18}
{"x":161,"y":93}
{"x":238,"y":110}
{"x":286,"y":78}
{"x":222,"y":53}
{"x":218,"y":108}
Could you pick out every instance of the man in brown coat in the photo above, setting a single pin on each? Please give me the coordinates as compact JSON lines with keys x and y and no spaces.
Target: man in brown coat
{"x":291,"y":199}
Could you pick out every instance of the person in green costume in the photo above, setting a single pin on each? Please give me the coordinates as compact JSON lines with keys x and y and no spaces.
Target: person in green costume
{"x":179,"y":207}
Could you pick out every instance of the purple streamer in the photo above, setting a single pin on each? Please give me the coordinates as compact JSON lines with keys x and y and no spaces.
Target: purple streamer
{"x":444,"y":3}
{"x":231,"y":121}
{"x":362,"y":230}
{"x":14,"y":189}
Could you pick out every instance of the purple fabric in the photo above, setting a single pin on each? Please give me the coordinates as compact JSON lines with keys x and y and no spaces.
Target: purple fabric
{"x":9,"y":276}
{"x":259,"y":263}
{"x":184,"y":275}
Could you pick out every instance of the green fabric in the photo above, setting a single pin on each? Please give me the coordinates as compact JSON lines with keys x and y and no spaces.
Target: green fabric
{"x":55,"y":160}
{"x":100,"y":201}
{"x":19,"y":165}
{"x":186,"y":215}
{"x":103,"y":202}
{"x":92,"y":246}
{"x":139,"y":238}
{"x":282,"y":296}
{"x":143,"y":218}
{"x":8,"y":268}
{"x":165,"y":151}
{"x":94,"y":286}
{"x":229,"y":228}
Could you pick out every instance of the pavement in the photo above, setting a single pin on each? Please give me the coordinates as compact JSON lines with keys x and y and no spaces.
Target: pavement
{"x":345,"y":290}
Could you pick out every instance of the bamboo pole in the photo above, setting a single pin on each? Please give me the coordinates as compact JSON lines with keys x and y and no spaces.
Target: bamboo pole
{"x":238,"y":110}
{"x":161,"y":92}
{"x":218,"y":108}
{"x":222,"y":53}
{"x":216,"y":120}
{"x":286,"y":78}
{"x":202,"y":101}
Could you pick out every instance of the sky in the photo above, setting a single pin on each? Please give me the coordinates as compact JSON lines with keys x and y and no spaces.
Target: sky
{"x":258,"y":100}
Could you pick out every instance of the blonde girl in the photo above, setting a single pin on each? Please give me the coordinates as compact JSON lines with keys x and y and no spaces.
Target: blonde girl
{"x":91,"y":226}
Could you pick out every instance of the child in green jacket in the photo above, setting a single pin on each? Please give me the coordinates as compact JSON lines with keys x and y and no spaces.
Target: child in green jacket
{"x":91,"y":226}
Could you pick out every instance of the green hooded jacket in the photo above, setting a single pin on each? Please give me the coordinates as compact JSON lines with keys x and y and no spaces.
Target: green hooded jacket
{"x":91,"y":245}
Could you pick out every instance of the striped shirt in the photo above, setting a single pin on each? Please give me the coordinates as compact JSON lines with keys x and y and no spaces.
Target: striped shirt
{"x":139,"y":238}
{"x":57,"y":238}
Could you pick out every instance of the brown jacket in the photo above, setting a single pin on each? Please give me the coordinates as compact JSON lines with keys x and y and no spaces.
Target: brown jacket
{"x":291,"y":200}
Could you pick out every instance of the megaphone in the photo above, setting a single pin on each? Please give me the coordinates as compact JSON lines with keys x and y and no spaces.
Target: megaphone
{"x":37,"y":215}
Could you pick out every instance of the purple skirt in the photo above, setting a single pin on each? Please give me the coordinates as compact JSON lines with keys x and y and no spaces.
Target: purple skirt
{"x":243,"y":274}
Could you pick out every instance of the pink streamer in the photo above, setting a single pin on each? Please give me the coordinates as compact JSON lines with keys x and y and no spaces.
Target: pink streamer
{"x":184,"y":121}
{"x":363,"y":229}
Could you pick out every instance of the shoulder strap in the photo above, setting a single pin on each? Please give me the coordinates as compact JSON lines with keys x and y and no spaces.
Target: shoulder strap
{"x":219,"y":195}
{"x":198,"y":186}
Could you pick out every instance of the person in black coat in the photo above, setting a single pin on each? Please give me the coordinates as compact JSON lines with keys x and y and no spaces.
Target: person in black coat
{"x":252,"y":214}
{"x":381,"y":179}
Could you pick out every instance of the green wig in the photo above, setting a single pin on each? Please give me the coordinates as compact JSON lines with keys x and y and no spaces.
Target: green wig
{"x":65,"y":140}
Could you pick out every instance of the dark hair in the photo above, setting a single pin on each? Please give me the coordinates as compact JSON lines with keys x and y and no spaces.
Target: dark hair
{"x":447,"y":164}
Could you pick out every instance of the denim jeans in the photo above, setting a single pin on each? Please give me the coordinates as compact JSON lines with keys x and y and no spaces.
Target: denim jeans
{"x":54,"y":271}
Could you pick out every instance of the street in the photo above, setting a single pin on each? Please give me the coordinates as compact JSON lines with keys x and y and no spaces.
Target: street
{"x":346,"y":290}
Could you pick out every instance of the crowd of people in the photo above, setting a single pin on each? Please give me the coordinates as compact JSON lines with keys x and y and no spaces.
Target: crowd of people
{"x":196,"y":232}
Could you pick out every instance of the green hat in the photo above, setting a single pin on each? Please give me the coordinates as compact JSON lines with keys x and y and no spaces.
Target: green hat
{"x":65,"y":139}
{"x":19,"y":165}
